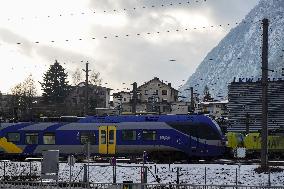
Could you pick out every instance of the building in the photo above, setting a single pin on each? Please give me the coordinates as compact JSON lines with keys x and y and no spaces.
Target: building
{"x":158,"y":91}
{"x":99,"y":97}
{"x":180,"y":107}
{"x":11,"y":110}
{"x":157,"y":95}
{"x":6,"y":107}
{"x":215,"y":109}
{"x":121,"y":98}
{"x":245,"y":105}
{"x":153,"y":96}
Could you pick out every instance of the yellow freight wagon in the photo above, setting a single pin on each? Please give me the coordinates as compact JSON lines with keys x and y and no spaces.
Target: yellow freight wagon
{"x":252,"y":144}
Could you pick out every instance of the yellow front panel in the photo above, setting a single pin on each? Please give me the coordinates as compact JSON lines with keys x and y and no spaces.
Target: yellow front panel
{"x":107,"y":139}
{"x":9,"y":147}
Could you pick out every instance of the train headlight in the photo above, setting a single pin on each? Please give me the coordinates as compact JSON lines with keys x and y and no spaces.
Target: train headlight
{"x":225,"y":143}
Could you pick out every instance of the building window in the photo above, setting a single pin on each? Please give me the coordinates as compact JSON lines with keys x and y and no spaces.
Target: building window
{"x":31,"y":138}
{"x":149,"y":135}
{"x":128,"y":135}
{"x":124,"y":99}
{"x":146,"y":92}
{"x":156,"y":92}
{"x":164,"y":92}
{"x":13,"y":137}
{"x":165,"y":108}
{"x":49,"y":138}
{"x":87,"y":137}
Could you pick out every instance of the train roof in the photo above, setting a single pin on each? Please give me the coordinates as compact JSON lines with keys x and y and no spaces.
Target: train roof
{"x":115,"y":119}
{"x":123,"y":121}
{"x":142,"y":118}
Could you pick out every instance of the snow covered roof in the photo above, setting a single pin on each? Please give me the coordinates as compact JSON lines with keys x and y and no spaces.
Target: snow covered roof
{"x":215,"y":102}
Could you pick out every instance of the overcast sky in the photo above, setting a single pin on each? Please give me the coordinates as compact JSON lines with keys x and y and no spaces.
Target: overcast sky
{"x":121,"y":59}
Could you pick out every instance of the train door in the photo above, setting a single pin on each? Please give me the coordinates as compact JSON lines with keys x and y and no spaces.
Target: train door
{"x":107,"y":139}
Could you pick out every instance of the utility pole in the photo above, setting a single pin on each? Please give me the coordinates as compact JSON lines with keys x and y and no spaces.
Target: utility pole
{"x":134,"y":98}
{"x":264,"y":131}
{"x":87,"y":88}
{"x":191,"y":100}
{"x":247,"y":123}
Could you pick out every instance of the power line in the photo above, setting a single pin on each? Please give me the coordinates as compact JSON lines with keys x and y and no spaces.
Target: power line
{"x":137,"y":34}
{"x":94,"y":11}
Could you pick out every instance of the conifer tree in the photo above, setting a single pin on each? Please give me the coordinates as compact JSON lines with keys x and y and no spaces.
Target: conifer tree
{"x":55,"y":85}
{"x":207,"y":96}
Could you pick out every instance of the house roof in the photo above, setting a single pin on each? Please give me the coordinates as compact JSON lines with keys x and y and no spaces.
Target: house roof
{"x":119,"y":93}
{"x":82,"y":84}
{"x":157,"y":79}
{"x":215,"y":102}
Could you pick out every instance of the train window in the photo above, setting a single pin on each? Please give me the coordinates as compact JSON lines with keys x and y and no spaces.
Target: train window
{"x":103,"y":137}
{"x":111,"y":137}
{"x":88,"y":137}
{"x":128,"y":135}
{"x":206,"y":132}
{"x":149,"y":135}
{"x":49,"y":138}
{"x":13,"y":137}
{"x":31,"y":138}
{"x":186,"y":127}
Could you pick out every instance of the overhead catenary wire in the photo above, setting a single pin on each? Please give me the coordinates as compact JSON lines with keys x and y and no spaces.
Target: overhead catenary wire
{"x":113,"y":10}
{"x":150,"y":33}
{"x":95,"y":11}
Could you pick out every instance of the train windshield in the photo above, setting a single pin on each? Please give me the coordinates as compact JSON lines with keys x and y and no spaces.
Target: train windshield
{"x":217,"y":126}
{"x":199,"y":130}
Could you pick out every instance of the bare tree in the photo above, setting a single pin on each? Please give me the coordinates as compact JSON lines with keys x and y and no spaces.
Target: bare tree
{"x":95,"y":78}
{"x":29,"y":87}
{"x":77,"y":76}
{"x":23,"y":95}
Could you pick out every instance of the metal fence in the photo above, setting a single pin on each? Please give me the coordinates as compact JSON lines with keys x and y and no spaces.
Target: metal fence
{"x":157,"y":174}
{"x":81,"y":185}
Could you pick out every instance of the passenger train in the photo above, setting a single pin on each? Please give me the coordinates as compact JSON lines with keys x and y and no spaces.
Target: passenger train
{"x":161,"y":136}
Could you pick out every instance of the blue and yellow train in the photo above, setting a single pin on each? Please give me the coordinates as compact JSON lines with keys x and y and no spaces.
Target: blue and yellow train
{"x":161,"y":136}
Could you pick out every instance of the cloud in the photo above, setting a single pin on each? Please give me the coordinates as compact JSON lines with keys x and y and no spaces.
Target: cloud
{"x":10,"y":37}
{"x":124,"y":59}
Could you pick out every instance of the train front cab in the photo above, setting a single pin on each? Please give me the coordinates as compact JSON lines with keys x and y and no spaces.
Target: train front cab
{"x":107,"y":140}
{"x":234,"y":140}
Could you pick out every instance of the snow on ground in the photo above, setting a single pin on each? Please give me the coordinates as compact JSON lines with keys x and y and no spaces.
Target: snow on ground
{"x":218,"y":174}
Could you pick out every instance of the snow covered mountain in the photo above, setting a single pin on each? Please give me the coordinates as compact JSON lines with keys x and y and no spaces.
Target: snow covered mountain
{"x":239,"y":53}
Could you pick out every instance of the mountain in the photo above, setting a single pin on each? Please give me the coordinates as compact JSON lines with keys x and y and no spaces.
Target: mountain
{"x":239,"y":53}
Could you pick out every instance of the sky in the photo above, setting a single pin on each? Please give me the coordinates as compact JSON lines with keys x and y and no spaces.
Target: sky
{"x":125,"y":40}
